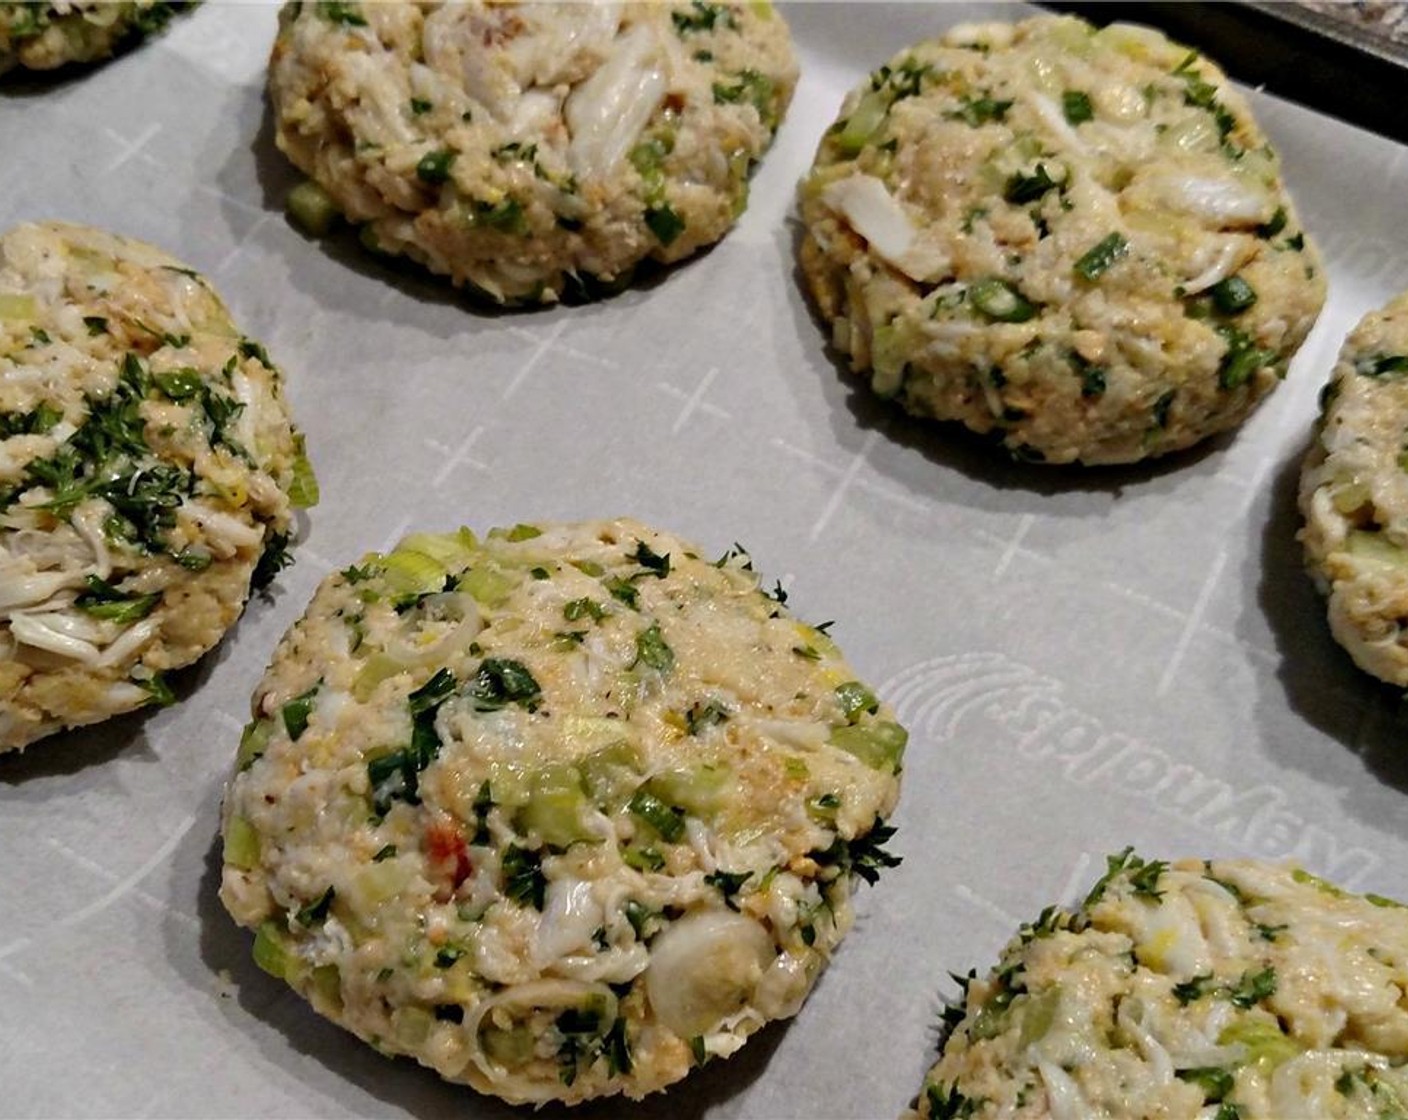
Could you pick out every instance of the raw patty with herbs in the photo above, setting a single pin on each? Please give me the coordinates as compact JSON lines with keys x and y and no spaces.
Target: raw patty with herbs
{"x":561,"y":813}
{"x":1220,"y":990}
{"x":39,"y":36}
{"x":1074,"y":240}
{"x":147,"y":469}
{"x":529,"y":150}
{"x":1354,"y":495}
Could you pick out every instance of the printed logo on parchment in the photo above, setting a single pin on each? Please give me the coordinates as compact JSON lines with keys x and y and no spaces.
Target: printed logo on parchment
{"x":978,"y":692}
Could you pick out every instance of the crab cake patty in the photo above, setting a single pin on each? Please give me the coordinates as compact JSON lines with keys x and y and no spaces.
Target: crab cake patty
{"x":527,"y":150}
{"x":1218,"y":990}
{"x":1354,"y":495}
{"x":560,"y":813}
{"x":1075,"y":240}
{"x":39,"y":36}
{"x":147,"y":465}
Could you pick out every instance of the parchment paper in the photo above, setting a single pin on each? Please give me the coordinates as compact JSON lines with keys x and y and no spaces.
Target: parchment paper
{"x":1086,"y":659}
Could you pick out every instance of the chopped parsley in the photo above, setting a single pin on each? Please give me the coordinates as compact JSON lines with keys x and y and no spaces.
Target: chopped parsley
{"x":978,"y":111}
{"x":317,"y":910}
{"x":651,"y":649}
{"x":702,"y":716}
{"x":103,"y":600}
{"x":583,"y":608}
{"x":864,"y":855}
{"x":1021,"y":188}
{"x":728,"y":883}
{"x":339,"y":11}
{"x":702,"y":17}
{"x":1381,"y":365}
{"x":524,"y":881}
{"x":501,"y":681}
{"x":651,"y":561}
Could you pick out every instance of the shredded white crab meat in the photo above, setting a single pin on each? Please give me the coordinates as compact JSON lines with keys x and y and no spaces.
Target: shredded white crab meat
{"x":607,"y":112}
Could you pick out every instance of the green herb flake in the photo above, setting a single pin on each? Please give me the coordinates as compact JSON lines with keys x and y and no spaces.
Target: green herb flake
{"x":317,"y":910}
{"x":419,"y":106}
{"x":1194,"y":989}
{"x":650,"y":560}
{"x":1098,"y":259}
{"x":702,"y":16}
{"x":434,"y":167}
{"x":501,"y":681}
{"x":1021,"y":189}
{"x":1076,"y":106}
{"x":978,"y":111}
{"x":385,"y":853}
{"x":524,"y":881}
{"x":701,"y":716}
{"x":864,"y":856}
{"x":1253,"y":987}
{"x":728,"y":883}
{"x":339,"y":11}
{"x":583,"y":608}
{"x":1382,"y":365}
{"x":1214,"y":1081}
{"x":96,"y":324}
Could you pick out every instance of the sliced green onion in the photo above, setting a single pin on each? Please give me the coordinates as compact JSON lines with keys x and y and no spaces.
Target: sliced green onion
{"x":997,"y":299}
{"x":863,"y":123}
{"x":270,"y":952}
{"x":1100,"y":256}
{"x":1232,"y":295}
{"x":668,"y":822}
{"x":295,"y":713}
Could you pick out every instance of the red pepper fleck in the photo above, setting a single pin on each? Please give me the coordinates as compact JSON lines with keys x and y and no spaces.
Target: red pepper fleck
{"x":448,"y":853}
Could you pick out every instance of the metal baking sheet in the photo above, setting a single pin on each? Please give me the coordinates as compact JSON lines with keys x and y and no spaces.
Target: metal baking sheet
{"x":1086,"y":659}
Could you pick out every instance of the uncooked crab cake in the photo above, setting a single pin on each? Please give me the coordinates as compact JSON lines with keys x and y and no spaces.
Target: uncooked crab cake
{"x":1220,"y":990}
{"x":527,"y":150}
{"x":1354,"y":495}
{"x":560,"y":813}
{"x":147,"y":470}
{"x":40,"y":36}
{"x":1075,"y":240}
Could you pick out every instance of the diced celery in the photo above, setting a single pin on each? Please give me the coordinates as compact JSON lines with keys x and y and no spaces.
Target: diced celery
{"x":700,"y":792}
{"x":253,"y":742}
{"x":862,"y":124}
{"x":888,"y":357}
{"x":1038,"y":1013}
{"x":855,"y":700}
{"x":271,"y":950}
{"x":1375,"y":547}
{"x":1324,"y":886}
{"x":408,"y":572}
{"x":522,"y":532}
{"x":453,"y":550}
{"x":489,"y":586}
{"x":556,"y":805}
{"x":374,"y":883}
{"x":1267,"y":1045}
{"x":1350,"y":496}
{"x":327,"y":983}
{"x":880,"y":745}
{"x":311,"y":208}
{"x":377,"y":668}
{"x":303,"y":488}
{"x":412,"y":1025}
{"x":14,"y":305}
{"x":612,"y":773}
{"x":511,"y":1047}
{"x":241,"y":844}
